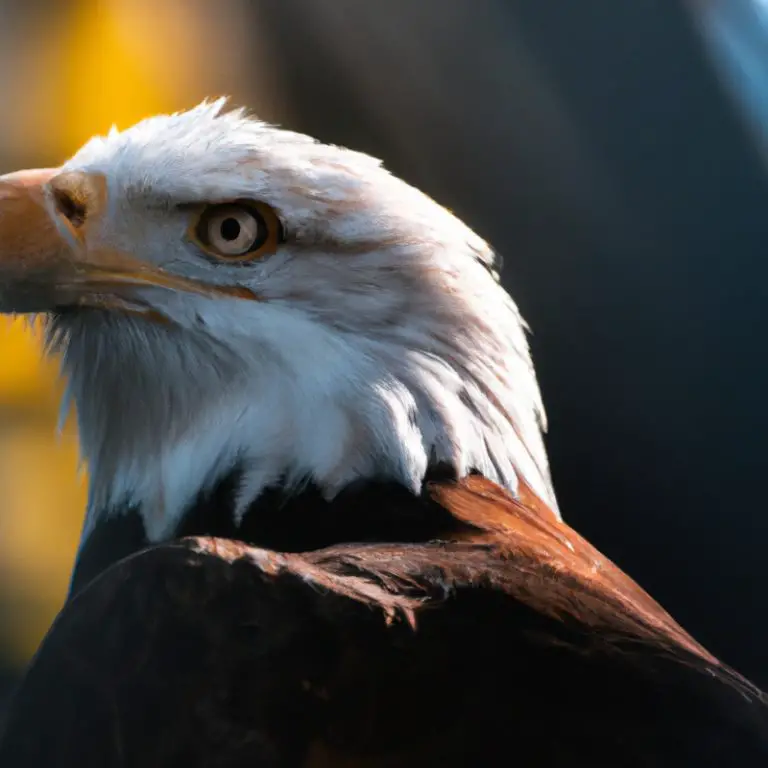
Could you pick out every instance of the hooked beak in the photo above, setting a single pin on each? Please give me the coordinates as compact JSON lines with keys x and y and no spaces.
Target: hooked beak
{"x":45,"y":259}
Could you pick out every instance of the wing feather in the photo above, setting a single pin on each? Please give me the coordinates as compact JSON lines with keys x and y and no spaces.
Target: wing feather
{"x":509,"y":641}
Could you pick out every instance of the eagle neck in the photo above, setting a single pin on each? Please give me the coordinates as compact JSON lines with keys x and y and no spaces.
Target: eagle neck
{"x":366,"y":511}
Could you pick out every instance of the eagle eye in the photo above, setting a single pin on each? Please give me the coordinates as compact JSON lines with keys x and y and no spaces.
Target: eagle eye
{"x":238,"y":231}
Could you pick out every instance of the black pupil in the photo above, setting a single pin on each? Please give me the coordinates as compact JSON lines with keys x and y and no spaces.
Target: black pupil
{"x":230,"y":229}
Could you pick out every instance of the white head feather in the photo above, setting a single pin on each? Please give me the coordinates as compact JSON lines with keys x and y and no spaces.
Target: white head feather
{"x":382,"y":343}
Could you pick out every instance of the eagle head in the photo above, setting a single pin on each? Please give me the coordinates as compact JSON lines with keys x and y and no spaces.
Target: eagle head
{"x":224,"y":292}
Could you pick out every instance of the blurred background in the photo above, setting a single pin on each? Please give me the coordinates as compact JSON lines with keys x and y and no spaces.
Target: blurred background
{"x":612,"y":150}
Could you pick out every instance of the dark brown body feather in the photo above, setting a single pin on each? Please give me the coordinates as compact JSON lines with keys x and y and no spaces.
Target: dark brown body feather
{"x":509,"y":640}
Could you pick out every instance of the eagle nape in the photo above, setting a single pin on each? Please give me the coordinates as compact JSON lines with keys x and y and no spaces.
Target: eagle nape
{"x":321,"y":528}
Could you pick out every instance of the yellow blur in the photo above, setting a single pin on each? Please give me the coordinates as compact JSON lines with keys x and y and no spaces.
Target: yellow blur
{"x":80,"y":69}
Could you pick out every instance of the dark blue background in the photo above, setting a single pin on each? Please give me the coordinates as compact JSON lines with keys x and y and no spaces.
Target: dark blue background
{"x":593,"y":143}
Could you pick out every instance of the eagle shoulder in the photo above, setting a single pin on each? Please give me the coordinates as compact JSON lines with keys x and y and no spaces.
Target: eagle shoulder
{"x":508,"y":639}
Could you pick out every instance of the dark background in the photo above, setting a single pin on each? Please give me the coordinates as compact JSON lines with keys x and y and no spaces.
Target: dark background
{"x":604,"y":148}
{"x":598,"y":147}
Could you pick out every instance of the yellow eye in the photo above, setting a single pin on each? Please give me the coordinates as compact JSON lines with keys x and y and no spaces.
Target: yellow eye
{"x":238,"y":231}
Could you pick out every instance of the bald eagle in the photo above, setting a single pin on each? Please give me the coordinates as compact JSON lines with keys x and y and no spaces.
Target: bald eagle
{"x":321,"y":529}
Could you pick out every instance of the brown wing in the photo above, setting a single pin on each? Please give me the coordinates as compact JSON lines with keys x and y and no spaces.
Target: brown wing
{"x":557,"y":572}
{"x":512,"y":642}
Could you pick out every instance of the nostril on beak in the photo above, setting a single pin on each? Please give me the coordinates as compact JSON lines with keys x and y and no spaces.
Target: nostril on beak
{"x":69,"y":200}
{"x":70,"y":208}
{"x":74,"y":200}
{"x":78,"y":196}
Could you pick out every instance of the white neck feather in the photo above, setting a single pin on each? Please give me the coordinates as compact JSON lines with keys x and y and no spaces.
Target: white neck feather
{"x":164,"y":413}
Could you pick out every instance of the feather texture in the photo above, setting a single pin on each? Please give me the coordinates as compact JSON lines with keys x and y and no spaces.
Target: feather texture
{"x":381,"y":344}
{"x":511,"y":641}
